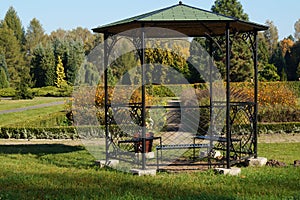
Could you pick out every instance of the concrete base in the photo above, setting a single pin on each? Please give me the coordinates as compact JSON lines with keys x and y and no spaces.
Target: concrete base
{"x":232,"y":171}
{"x":109,"y":163}
{"x":142,"y":172}
{"x":257,"y":162}
{"x":147,"y":155}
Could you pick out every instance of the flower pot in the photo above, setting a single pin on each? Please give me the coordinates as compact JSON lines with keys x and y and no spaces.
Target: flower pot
{"x":138,"y":148}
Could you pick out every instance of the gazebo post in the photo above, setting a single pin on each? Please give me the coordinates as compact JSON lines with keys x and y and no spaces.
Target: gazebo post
{"x":143,"y":101}
{"x":228,"y":128}
{"x":255,"y":94}
{"x":211,"y":129}
{"x":106,"y":52}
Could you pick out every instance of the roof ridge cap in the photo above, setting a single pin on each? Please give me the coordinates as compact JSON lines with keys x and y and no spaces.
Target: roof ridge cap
{"x":138,"y":17}
{"x":211,"y":12}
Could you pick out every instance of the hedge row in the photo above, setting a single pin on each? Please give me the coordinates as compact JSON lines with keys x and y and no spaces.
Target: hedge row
{"x":96,"y":131}
{"x":38,"y":133}
{"x":272,"y":128}
{"x":49,"y":91}
{"x":156,"y":90}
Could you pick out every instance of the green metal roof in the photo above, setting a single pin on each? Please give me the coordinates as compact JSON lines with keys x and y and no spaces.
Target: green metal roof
{"x":188,"y":20}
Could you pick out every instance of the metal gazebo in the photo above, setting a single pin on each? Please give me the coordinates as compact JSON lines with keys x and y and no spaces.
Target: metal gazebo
{"x":192,"y":22}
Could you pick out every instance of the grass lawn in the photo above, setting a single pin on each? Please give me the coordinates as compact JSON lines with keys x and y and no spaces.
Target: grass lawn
{"x":65,"y":170}
{"x":12,"y":104}
{"x":9,"y":119}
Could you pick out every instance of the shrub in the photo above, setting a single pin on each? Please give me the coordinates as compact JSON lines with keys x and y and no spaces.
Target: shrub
{"x":275,"y":128}
{"x":52,"y":91}
{"x":38,"y":133}
{"x":7,"y":92}
{"x":279,"y":114}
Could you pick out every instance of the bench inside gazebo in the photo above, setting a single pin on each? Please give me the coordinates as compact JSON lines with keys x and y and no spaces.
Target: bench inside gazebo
{"x":219,"y":131}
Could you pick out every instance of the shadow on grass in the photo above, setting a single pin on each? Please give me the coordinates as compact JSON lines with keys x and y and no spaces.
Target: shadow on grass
{"x":59,"y":155}
{"x":38,"y":149}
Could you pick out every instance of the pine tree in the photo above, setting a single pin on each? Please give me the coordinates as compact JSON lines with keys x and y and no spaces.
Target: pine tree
{"x":22,"y":88}
{"x":3,"y":73}
{"x":14,"y":23}
{"x":266,"y":71}
{"x":35,"y":34}
{"x":12,"y":52}
{"x":279,"y":62}
{"x":231,"y":8}
{"x":60,"y":80}
{"x":43,"y":66}
{"x":75,"y":58}
{"x":271,"y":36}
{"x":292,"y":59}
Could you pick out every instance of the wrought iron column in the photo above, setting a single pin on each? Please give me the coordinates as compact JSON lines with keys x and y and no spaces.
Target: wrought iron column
{"x":228,"y":128}
{"x":211,"y":129}
{"x":106,"y":54}
{"x":255,"y":94}
{"x":143,"y":101}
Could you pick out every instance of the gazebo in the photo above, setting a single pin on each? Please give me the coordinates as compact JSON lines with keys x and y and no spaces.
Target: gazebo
{"x":235,"y":143}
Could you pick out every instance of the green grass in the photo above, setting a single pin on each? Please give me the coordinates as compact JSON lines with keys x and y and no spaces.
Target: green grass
{"x":9,"y":119}
{"x":62,"y":171}
{"x":12,"y":104}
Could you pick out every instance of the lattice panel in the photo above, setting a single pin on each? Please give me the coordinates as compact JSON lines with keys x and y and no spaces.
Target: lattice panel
{"x":242,"y":126}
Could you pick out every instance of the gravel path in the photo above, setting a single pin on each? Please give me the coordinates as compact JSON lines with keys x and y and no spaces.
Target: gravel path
{"x":32,"y":107}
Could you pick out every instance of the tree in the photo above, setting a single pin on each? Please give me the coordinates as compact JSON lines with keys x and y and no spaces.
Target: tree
{"x":286,"y":44}
{"x":168,"y":54}
{"x":43,"y":66}
{"x":240,"y":58}
{"x":263,"y":56}
{"x":230,"y":8}
{"x":72,"y":55}
{"x":271,"y":36}
{"x":266,"y":71}
{"x":198,"y":61}
{"x":279,"y":62}
{"x":83,"y":34}
{"x":22,"y":89}
{"x":35,"y":35}
{"x":269,"y":73}
{"x":75,"y":58}
{"x":88,"y":75}
{"x":14,"y":23}
{"x":79,"y":34}
{"x":60,"y":73}
{"x":297,"y":30}
{"x":59,"y":34}
{"x":292,"y":59}
{"x":12,"y":52}
{"x":3,"y":73}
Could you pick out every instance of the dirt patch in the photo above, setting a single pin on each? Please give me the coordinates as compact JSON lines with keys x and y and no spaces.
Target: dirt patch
{"x":40,"y":141}
{"x":264,"y":138}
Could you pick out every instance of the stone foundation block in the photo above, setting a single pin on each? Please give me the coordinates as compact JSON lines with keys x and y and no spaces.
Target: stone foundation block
{"x":143,"y":172}
{"x":109,"y":163}
{"x":234,"y":171}
{"x":258,"y":162}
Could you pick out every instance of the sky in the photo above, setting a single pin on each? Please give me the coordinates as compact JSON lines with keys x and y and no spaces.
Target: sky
{"x":69,"y":14}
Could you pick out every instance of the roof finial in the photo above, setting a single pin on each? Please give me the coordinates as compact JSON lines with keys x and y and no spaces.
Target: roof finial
{"x":180,"y":2}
